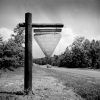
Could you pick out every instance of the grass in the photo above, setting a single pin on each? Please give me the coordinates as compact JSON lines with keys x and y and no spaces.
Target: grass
{"x":85,"y":86}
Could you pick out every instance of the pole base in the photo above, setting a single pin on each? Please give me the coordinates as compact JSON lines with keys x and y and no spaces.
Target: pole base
{"x":28,"y":92}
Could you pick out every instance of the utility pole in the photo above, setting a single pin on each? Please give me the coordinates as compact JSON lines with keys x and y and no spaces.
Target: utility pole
{"x":28,"y":53}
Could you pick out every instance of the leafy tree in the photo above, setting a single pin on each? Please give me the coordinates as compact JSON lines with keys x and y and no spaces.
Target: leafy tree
{"x":1,"y":50}
{"x":55,"y":61}
{"x":12,"y":52}
{"x":95,"y":53}
{"x":19,"y":40}
{"x":66,"y":58}
{"x":78,"y":41}
{"x":86,"y":44}
{"x":19,"y":35}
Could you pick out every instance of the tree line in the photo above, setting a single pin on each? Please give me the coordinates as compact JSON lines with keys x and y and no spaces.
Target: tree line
{"x":82,"y":53}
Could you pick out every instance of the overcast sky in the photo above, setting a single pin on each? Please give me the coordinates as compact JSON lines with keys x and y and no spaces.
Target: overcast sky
{"x":80,"y":17}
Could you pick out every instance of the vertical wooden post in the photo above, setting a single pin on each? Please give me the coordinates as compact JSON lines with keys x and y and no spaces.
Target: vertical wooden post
{"x":28,"y":53}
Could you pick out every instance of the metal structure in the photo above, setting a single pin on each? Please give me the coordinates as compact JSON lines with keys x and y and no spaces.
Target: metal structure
{"x":28,"y":47}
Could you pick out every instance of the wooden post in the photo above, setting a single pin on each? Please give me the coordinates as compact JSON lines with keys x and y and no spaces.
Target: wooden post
{"x":28,"y":53}
{"x":28,"y":48}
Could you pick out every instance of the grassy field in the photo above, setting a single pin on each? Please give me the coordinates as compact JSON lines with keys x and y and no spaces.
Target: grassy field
{"x":85,"y":83}
{"x":53,"y":84}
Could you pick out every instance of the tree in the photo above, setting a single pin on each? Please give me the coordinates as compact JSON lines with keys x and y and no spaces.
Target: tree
{"x":19,"y":35}
{"x":86,"y":44}
{"x":80,"y":51}
{"x":78,"y":41}
{"x":66,"y":58}
{"x":86,"y":47}
{"x":12,"y":51}
{"x":1,"y":50}
{"x":95,"y":53}
{"x":19,"y":40}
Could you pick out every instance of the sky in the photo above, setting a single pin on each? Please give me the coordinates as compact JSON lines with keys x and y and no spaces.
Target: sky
{"x":80,"y":18}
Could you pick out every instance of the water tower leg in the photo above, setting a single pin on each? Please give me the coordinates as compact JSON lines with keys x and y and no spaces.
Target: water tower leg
{"x":28,"y":53}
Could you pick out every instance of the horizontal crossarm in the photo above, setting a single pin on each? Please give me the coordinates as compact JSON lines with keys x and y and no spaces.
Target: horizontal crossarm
{"x":43,"y":25}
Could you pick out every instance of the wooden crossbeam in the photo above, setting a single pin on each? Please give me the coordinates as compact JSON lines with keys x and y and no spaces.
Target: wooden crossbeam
{"x":58,"y":25}
{"x":47,"y":25}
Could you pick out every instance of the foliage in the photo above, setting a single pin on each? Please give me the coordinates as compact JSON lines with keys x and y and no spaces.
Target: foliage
{"x":12,"y":51}
{"x":82,"y":54}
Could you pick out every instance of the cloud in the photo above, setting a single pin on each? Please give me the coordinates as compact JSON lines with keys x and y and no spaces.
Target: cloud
{"x":5,"y":33}
{"x":68,"y":32}
{"x":67,"y":38}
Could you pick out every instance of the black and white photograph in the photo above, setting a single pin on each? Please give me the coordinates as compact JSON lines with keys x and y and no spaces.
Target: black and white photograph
{"x":49,"y":49}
